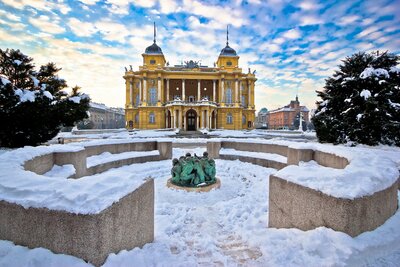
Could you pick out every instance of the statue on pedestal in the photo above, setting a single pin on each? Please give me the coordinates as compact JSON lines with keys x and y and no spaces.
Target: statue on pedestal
{"x":193,"y":171}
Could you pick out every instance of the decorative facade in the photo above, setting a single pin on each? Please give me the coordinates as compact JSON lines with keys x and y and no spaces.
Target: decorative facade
{"x":288,"y":117}
{"x":189,"y":96}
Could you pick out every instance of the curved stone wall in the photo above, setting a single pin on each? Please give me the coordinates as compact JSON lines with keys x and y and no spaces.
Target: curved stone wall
{"x":292,"y":205}
{"x":125,"y":224}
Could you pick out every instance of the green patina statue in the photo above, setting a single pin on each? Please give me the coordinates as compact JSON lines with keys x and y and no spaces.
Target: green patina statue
{"x":193,"y":171}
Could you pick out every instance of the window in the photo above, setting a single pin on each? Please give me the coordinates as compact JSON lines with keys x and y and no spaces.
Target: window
{"x":137,"y":118}
{"x":137,"y":85}
{"x":229,"y":63}
{"x":130,"y":124}
{"x":137,"y":100}
{"x":228,"y":99}
{"x":243,"y":119}
{"x":191,"y":98}
{"x":229,"y":119}
{"x":153,"y":96}
{"x":152,"y":118}
{"x":152,"y":62}
{"x":243,"y":101}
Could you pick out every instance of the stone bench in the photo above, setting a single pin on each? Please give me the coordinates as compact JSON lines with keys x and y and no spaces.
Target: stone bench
{"x":91,"y":228}
{"x":293,"y":204}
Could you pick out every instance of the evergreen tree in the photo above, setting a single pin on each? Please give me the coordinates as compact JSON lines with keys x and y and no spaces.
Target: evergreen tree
{"x":33,"y":104}
{"x":361,"y":101}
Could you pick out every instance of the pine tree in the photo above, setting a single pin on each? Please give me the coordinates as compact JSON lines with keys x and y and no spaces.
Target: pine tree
{"x":33,"y":104}
{"x":361,"y":101}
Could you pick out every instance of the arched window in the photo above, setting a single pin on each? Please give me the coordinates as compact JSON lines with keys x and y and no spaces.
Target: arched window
{"x":137,"y":100}
{"x":137,"y":118}
{"x":130,"y":124}
{"x":152,"y":118}
{"x":243,"y":101}
{"x":243,"y":119}
{"x":153,"y":97}
{"x":228,"y":99}
{"x":229,"y":118}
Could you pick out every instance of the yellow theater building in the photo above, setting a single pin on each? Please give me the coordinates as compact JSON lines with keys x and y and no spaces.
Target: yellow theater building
{"x":189,"y":96}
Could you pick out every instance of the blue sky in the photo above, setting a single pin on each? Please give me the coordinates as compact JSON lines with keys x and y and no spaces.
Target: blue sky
{"x":293,"y":45}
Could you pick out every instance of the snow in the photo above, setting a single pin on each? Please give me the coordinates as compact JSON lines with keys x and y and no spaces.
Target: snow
{"x":25,"y":95}
{"x":18,"y":62}
{"x":359,"y":116}
{"x":35,"y":81}
{"x":227,"y":227}
{"x":4,"y":81}
{"x":63,"y":171}
{"x":395,"y":105}
{"x":48,"y":94}
{"x":395,"y":69}
{"x":87,"y":195}
{"x":108,"y":157}
{"x":260,"y":155}
{"x":368,"y":72}
{"x":75,"y":99}
{"x":365,"y":94}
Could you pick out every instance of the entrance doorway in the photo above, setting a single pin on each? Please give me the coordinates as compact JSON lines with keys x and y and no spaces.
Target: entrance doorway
{"x":191,"y":117}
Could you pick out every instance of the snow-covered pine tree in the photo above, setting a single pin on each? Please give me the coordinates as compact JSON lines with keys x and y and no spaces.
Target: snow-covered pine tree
{"x":33,"y":104}
{"x":361,"y":101}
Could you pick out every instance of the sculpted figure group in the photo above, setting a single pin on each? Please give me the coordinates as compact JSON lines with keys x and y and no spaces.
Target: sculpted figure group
{"x":193,"y":171}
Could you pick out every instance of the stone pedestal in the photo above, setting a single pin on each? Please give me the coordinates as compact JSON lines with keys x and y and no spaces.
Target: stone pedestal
{"x":207,"y":188}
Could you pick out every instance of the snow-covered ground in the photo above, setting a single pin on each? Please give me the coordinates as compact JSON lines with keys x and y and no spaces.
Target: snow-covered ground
{"x":227,"y":227}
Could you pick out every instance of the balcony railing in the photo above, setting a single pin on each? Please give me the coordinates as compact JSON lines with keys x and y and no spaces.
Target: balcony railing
{"x":179,"y":102}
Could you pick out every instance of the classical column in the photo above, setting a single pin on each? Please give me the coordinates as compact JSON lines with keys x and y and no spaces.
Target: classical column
{"x":130,"y":94}
{"x":249,"y":94}
{"x":179,"y":119}
{"x":222,"y":97}
{"x":214,"y":91}
{"x":174,"y":119}
{"x":236,"y":92}
{"x":185,"y":123}
{"x":140,"y":92}
{"x":215,"y":120}
{"x":145,"y":91}
{"x":167,"y":90}
{"x":159,"y":91}
{"x":166,"y":119}
{"x":240,"y":92}
{"x":198,"y":90}
{"x":183,"y":90}
{"x":202,"y":120}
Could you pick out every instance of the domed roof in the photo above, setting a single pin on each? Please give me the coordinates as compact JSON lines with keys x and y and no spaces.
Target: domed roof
{"x":264,"y":110}
{"x":228,"y":51}
{"x":153,"y":49}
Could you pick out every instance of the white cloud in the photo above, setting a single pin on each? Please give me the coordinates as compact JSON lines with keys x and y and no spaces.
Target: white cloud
{"x":80,"y":28}
{"x":168,"y":6}
{"x":43,"y":5}
{"x":44,"y":24}
{"x":292,"y":34}
{"x":122,"y":6}
{"x":112,"y":31}
{"x":89,"y":2}
{"x":367,"y":31}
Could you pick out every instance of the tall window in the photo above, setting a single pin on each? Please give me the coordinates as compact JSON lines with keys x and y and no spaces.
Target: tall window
{"x":137,"y":118}
{"x":243,"y":119}
{"x":153,"y":97}
{"x":152,"y":118}
{"x":137,"y":100}
{"x":228,"y":96}
{"x":243,"y":101}
{"x":229,"y":118}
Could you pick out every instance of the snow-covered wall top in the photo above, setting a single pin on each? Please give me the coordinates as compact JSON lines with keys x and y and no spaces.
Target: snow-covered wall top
{"x":87,"y":195}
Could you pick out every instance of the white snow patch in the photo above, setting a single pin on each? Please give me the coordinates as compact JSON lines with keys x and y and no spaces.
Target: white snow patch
{"x":18,"y":62}
{"x":75,"y":99}
{"x":108,"y":157}
{"x":260,"y":155}
{"x":368,"y":72}
{"x":359,"y":116}
{"x":63,"y":171}
{"x":35,"y":81}
{"x":25,"y":95}
{"x":394,"y":69}
{"x":395,"y":105}
{"x":48,"y":94}
{"x":4,"y":81}
{"x":365,"y":94}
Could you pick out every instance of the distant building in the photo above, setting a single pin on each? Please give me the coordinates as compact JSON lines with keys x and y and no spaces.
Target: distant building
{"x":262,"y":119}
{"x":288,"y":117}
{"x":103,"y":117}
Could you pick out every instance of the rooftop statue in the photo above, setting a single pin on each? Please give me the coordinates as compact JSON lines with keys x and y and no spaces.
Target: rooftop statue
{"x":193,"y":171}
